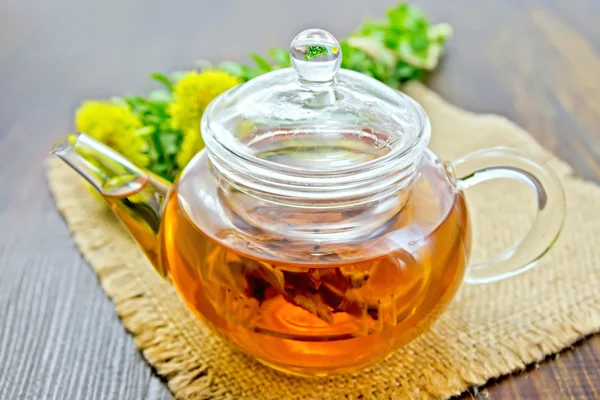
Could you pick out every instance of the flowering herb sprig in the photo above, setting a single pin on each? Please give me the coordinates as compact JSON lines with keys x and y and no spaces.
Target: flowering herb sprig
{"x":161,"y":131}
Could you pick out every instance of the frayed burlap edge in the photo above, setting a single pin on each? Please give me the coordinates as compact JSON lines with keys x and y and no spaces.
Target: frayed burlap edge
{"x":172,"y":340}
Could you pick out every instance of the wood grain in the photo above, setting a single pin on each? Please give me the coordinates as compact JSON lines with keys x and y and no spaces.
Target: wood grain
{"x":533,"y":61}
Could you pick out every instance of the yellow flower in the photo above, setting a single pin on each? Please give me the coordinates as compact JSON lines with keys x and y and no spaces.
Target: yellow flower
{"x":192,"y":143}
{"x":114,"y":125}
{"x":192,"y":94}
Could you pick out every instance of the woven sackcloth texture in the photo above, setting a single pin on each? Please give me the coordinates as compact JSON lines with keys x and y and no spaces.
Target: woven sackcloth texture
{"x":488,"y":331}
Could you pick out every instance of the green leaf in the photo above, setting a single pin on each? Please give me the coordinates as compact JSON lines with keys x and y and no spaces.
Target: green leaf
{"x":160,"y":96}
{"x":177,"y":75}
{"x":145,"y":131}
{"x":203,"y":64}
{"x":152,"y":153}
{"x":420,"y":43}
{"x":161,"y":169}
{"x":439,"y":33}
{"x":232,"y":68}
{"x":119,"y":100}
{"x":405,"y":17}
{"x":162,"y":78}
{"x":169,"y":142}
{"x":250,"y":73}
{"x":261,"y":62}
{"x":281,"y":57}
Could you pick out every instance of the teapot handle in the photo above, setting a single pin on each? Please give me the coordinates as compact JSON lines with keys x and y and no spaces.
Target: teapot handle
{"x":502,"y":163}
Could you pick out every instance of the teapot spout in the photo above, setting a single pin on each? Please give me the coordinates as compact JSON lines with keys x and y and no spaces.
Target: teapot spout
{"x":135,"y":195}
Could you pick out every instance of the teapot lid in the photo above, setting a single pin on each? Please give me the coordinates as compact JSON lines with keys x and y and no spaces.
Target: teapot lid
{"x":315,"y":115}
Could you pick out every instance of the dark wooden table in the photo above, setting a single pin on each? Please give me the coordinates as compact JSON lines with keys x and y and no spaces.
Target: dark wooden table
{"x":536,"y":62}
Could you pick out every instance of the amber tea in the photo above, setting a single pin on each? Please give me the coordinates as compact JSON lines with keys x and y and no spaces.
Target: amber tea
{"x":335,"y":308}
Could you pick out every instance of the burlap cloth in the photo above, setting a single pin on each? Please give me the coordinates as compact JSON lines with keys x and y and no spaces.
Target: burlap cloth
{"x":488,"y":331}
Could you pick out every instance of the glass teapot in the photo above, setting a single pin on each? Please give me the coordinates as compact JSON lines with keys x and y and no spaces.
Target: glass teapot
{"x":316,"y":231}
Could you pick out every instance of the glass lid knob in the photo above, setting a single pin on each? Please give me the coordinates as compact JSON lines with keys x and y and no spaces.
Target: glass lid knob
{"x":316,"y":56}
